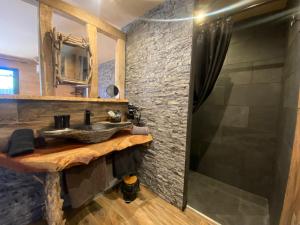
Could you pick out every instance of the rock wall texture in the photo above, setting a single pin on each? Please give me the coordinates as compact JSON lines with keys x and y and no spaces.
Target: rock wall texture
{"x":235,"y":132}
{"x":21,"y":198}
{"x":158,"y":56}
{"x":106,"y":77}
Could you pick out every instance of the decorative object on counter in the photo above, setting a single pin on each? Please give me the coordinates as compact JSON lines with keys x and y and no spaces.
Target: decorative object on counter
{"x":134,"y":114}
{"x":95,"y":133}
{"x":21,"y":142}
{"x":130,"y":187}
{"x":62,"y":121}
{"x":139,"y":130}
{"x":115,"y":116}
{"x":112,"y":91}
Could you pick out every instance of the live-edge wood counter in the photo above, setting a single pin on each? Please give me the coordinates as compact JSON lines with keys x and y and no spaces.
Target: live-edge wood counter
{"x":61,"y":156}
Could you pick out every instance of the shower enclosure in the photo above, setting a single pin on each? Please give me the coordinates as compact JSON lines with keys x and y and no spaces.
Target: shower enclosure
{"x":236,"y":132}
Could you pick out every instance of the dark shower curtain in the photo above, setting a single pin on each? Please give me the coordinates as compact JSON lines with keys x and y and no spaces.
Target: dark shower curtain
{"x":210,"y":45}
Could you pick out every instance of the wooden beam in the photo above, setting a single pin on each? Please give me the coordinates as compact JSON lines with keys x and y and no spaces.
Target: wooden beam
{"x":85,"y":17}
{"x":5,"y":98}
{"x":120,"y":67}
{"x":47,"y":77}
{"x":92,"y":38}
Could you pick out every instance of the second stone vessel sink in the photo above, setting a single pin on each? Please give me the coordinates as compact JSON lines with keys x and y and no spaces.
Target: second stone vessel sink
{"x":95,"y":133}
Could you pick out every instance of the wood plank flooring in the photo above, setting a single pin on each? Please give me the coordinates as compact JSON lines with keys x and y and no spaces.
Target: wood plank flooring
{"x":147,"y":209}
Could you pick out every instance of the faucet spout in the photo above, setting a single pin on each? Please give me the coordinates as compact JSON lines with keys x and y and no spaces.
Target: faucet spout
{"x":87,"y":117}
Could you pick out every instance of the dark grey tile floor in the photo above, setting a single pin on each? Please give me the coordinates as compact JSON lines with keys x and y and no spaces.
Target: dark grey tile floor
{"x":226,"y":204}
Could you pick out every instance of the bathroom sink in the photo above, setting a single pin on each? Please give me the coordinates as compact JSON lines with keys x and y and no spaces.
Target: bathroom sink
{"x":95,"y":133}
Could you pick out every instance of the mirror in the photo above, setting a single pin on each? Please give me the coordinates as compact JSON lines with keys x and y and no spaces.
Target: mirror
{"x":106,"y":64}
{"x":71,"y":59}
{"x":74,"y":63}
{"x":19,"y":49}
{"x":112,"y":91}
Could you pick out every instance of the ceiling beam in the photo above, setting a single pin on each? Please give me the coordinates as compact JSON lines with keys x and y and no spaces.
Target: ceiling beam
{"x":82,"y":15}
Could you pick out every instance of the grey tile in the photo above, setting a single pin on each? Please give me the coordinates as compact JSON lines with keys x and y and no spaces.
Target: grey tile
{"x":272,"y":75}
{"x":226,"y":204}
{"x":264,"y":94}
{"x":264,"y":118}
{"x":271,"y":61}
{"x":237,"y":67}
{"x":239,"y":95}
{"x":217,"y":96}
{"x":291,"y":91}
{"x":236,"y":116}
{"x":241,"y":77}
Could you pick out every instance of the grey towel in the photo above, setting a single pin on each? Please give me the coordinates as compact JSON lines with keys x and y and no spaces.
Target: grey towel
{"x":84,"y":182}
{"x":21,"y":142}
{"x":126,"y":162}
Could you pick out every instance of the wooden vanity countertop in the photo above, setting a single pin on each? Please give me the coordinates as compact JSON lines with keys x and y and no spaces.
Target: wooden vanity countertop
{"x":62,"y":155}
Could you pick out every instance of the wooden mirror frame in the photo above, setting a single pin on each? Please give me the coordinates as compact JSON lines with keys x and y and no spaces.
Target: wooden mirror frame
{"x":58,"y":40}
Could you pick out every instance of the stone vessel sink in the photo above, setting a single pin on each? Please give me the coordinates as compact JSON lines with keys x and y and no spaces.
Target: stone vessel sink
{"x":95,"y":133}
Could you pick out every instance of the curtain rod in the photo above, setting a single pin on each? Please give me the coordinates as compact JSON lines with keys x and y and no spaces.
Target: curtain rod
{"x":257,"y":5}
{"x":241,"y":9}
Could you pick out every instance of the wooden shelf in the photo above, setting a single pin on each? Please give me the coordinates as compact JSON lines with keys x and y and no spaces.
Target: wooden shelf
{"x":57,"y":98}
{"x":62,"y":155}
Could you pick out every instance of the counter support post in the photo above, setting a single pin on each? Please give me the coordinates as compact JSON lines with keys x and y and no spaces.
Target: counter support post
{"x":53,"y":202}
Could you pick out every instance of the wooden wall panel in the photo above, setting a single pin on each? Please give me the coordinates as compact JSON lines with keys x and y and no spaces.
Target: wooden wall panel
{"x":15,"y":114}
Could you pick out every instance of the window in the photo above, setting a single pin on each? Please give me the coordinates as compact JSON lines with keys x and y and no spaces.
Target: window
{"x":9,"y":81}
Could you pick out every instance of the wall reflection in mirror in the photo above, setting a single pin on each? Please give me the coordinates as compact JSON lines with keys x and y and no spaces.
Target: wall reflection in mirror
{"x":106,"y":65}
{"x":74,"y":63}
{"x":19,"y":55}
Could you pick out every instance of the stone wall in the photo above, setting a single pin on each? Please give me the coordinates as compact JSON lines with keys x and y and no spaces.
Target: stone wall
{"x":106,"y":77}
{"x":158,"y":56}
{"x":21,"y":195}
{"x":288,"y":118}
{"x":234,"y":134}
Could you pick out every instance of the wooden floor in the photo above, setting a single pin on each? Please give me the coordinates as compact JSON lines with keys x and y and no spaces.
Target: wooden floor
{"x":147,"y":209}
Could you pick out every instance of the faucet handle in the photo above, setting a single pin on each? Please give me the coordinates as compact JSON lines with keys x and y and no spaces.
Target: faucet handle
{"x":87,"y":111}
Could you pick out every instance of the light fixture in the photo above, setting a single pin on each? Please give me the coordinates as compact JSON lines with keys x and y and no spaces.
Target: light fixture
{"x":200,"y":16}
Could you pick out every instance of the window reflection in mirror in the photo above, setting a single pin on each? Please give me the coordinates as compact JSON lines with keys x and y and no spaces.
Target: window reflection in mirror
{"x":106,"y":64}
{"x":74,"y":60}
{"x":19,"y":55}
